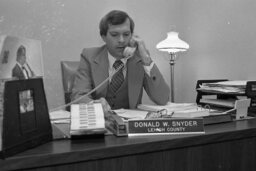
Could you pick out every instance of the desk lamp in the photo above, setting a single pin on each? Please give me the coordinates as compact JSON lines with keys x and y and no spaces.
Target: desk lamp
{"x":172,"y":44}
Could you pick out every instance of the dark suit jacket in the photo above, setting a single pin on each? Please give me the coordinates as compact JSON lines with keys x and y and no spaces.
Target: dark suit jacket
{"x":93,"y":69}
{"x":17,"y":72}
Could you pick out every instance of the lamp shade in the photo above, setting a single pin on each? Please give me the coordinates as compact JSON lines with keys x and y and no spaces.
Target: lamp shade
{"x":172,"y":43}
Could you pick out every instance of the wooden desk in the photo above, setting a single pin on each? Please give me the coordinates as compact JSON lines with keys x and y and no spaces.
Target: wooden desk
{"x":228,"y":146}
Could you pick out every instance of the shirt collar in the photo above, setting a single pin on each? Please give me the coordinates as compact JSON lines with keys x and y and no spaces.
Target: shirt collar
{"x":112,"y":59}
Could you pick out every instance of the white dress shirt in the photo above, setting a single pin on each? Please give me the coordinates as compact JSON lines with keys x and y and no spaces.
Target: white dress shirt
{"x":111,"y":69}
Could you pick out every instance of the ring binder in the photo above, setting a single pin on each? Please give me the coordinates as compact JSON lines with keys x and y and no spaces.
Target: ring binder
{"x":249,"y":93}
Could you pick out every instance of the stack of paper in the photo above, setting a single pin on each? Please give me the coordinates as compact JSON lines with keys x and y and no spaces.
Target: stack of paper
{"x":225,"y":86}
{"x":177,"y":109}
{"x":219,"y":102}
{"x":60,"y":116}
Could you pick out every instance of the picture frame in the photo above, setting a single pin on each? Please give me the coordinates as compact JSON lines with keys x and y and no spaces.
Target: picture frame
{"x":24,"y":128}
{"x":20,"y":57}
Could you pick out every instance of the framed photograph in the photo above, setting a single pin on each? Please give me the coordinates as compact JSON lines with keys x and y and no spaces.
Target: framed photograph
{"x":26,"y":121}
{"x":27,"y":110}
{"x":20,"y":58}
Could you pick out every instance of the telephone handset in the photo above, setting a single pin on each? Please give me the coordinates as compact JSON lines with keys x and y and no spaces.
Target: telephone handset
{"x":130,"y":49}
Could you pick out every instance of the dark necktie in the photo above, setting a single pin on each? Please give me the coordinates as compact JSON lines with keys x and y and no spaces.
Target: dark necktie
{"x":25,"y":71}
{"x":118,"y":77}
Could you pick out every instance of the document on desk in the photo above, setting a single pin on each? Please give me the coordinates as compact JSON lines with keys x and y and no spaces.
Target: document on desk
{"x":131,"y":114}
{"x":187,"y":110}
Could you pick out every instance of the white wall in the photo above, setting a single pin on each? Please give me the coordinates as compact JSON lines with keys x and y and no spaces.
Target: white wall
{"x":222,"y":38}
{"x":221,"y":35}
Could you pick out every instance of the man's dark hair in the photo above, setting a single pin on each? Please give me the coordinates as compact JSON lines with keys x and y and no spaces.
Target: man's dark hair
{"x":114,"y":17}
{"x":20,"y":51}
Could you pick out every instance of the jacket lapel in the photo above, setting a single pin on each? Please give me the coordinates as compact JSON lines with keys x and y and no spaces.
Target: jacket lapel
{"x":100,"y":70}
{"x":135,"y":80}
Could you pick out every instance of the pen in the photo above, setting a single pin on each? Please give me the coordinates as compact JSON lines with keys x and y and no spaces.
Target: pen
{"x":171,"y":114}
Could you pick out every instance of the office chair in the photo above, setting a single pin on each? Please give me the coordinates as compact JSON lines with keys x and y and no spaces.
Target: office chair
{"x":68,"y":69}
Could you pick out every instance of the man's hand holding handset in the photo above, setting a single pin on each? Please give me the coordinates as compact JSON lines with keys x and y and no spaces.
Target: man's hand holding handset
{"x":136,"y":43}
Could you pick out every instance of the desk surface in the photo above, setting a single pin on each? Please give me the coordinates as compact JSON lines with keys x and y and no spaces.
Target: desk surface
{"x":61,"y":152}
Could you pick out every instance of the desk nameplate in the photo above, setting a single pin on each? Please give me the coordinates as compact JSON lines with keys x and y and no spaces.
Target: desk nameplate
{"x":166,"y":126}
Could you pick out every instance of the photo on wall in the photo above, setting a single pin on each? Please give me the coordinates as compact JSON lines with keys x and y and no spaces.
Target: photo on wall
{"x":20,"y":58}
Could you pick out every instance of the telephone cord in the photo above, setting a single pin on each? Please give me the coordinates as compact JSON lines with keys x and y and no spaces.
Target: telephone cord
{"x":90,"y":92}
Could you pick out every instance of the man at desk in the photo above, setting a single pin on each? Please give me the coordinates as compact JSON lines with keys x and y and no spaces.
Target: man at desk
{"x":138,"y":71}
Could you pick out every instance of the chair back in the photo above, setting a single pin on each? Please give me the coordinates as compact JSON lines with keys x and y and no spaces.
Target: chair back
{"x":68,"y":69}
